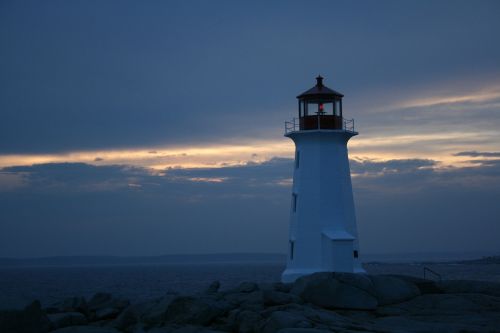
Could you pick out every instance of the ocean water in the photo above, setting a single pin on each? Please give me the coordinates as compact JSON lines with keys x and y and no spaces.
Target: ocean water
{"x":21,"y":285}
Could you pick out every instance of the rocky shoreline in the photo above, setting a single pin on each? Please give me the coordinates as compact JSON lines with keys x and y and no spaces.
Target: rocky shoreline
{"x":322,"y":302}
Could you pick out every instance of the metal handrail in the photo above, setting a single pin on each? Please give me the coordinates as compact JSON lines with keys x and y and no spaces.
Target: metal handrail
{"x":348,"y":124}
{"x":291,"y":126}
{"x":427,"y":269}
{"x":294,"y":125}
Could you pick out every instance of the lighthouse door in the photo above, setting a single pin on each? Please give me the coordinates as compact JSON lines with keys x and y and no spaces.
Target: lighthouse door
{"x":342,"y":255}
{"x":337,"y":254}
{"x":338,"y":247}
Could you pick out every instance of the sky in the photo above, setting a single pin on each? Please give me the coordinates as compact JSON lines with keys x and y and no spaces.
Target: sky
{"x":149,"y":128}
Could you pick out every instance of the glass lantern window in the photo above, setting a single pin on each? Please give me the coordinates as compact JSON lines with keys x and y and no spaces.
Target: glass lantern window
{"x":338,"y":112}
{"x":314,"y":108}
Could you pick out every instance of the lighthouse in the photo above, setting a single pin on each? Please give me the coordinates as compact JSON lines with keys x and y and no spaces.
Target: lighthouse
{"x":323,"y":235}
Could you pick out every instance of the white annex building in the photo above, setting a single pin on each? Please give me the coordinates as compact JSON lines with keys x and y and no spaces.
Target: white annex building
{"x":323,"y":233}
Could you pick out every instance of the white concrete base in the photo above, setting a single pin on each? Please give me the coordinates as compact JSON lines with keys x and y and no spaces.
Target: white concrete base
{"x":360,"y":270}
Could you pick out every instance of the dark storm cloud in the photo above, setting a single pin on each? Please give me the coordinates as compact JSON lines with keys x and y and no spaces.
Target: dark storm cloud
{"x":272,"y":172}
{"x":94,"y":74}
{"x":72,"y":175}
{"x":430,"y":209}
{"x":402,"y":205}
{"x":117,"y":209}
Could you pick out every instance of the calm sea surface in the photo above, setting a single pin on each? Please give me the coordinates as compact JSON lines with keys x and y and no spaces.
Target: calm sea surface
{"x":20,"y":285}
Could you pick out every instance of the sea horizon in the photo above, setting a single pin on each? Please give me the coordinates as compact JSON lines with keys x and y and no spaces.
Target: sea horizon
{"x":229,"y":257}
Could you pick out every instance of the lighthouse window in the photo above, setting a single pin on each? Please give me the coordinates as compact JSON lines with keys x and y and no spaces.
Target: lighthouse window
{"x":297,"y":158}
{"x":292,"y":243}
{"x":356,"y":253}
{"x":294,"y":202}
{"x":328,"y":108}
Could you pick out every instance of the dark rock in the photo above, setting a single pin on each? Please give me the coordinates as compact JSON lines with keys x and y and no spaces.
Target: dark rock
{"x":86,"y":329}
{"x":70,"y":304}
{"x":428,"y":287}
{"x":248,"y":321}
{"x":326,"y":317}
{"x":100,"y":300}
{"x":413,"y":324}
{"x":247,"y":287}
{"x":442,"y":313}
{"x":360,"y":281}
{"x":106,"y":313}
{"x":271,"y":297}
{"x":106,"y":300}
{"x":163,"y":329}
{"x":126,"y":319}
{"x":281,"y":319}
{"x":246,"y":301}
{"x":185,"y":329}
{"x":60,"y":320}
{"x":292,"y":307}
{"x":303,"y":330}
{"x":313,"y":304}
{"x":213,"y":287}
{"x":30,"y":320}
{"x":154,"y":313}
{"x":136,"y":329}
{"x":133,"y":314}
{"x":424,"y":286}
{"x":448,"y":304}
{"x":195,"y":310}
{"x":390,"y":289}
{"x":324,"y":290}
{"x":386,"y":311}
{"x":282,"y":287}
{"x":465,"y":286}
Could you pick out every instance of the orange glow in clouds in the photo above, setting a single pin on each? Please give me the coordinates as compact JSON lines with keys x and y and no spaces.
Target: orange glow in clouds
{"x":437,"y":142}
{"x":437,"y":146}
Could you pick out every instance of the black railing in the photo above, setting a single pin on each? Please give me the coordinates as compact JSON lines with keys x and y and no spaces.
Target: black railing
{"x":428,"y":271}
{"x":322,"y":122}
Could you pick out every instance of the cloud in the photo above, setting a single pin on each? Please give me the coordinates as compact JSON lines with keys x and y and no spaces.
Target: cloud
{"x":368,"y":167}
{"x":414,"y":175}
{"x":208,"y":179}
{"x":480,"y":97}
{"x":75,"y":177}
{"x":402,"y":206}
{"x":76,"y":208}
{"x":11,"y":180}
{"x":187,"y":156}
{"x":417,"y":206}
{"x":478,"y":154}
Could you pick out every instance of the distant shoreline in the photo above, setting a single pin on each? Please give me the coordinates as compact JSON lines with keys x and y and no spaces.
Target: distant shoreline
{"x":233,"y":258}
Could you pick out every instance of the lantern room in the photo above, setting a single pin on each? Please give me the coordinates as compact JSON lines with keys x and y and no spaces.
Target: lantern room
{"x":320,"y":108}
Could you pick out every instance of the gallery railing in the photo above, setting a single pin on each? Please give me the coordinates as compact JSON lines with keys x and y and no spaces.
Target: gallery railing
{"x":319,"y":122}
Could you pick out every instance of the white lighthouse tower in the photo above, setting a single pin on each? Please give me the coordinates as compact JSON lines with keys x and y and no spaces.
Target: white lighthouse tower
{"x":323,"y":233}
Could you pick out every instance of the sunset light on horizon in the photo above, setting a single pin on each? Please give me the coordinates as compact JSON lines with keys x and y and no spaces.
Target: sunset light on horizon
{"x":404,"y":141}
